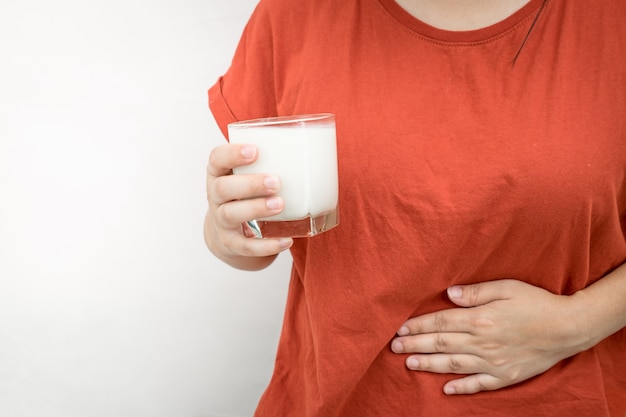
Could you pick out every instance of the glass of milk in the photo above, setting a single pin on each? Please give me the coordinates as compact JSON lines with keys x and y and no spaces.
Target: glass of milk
{"x":302,"y":151}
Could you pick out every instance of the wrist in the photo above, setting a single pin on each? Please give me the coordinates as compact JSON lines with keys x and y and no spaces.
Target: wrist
{"x":584,"y":330}
{"x":600,"y":310}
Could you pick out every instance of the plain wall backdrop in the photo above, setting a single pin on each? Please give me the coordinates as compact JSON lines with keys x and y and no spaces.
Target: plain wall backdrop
{"x":110,"y":303}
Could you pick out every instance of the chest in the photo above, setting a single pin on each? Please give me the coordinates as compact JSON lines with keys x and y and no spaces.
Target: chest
{"x":425,"y":123}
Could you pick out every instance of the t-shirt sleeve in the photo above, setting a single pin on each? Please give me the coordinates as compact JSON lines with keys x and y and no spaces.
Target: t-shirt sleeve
{"x":246,"y":90}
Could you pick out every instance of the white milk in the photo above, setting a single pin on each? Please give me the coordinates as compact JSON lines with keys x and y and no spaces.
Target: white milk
{"x":304,"y":158}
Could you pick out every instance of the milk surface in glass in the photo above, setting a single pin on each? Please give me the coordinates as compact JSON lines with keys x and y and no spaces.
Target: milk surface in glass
{"x":303,"y":156}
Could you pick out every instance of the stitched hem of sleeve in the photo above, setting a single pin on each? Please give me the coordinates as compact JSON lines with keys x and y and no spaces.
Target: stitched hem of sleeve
{"x":219,"y":107}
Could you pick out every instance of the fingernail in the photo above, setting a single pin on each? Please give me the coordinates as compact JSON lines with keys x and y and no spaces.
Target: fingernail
{"x":412,"y":363}
{"x":397,"y":347}
{"x":403,"y":331}
{"x":248,"y":152}
{"x":449,"y":390}
{"x":273,"y":203}
{"x":455,"y":292}
{"x":270,"y":182}
{"x":285,"y":243}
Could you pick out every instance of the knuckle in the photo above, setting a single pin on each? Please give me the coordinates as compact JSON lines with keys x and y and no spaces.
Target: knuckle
{"x":473,"y":294}
{"x":514,"y":375}
{"x":440,"y":343}
{"x":440,"y":322}
{"x":219,"y":187}
{"x":482,"y":322}
{"x":490,"y":348}
{"x":486,"y":382}
{"x":245,"y":248}
{"x":454,"y":365}
{"x":210,"y":168}
{"x":240,"y":245}
{"x":483,"y":386}
{"x":226,"y":215}
{"x":213,"y":161}
{"x":251,"y":247}
{"x":498,"y":362}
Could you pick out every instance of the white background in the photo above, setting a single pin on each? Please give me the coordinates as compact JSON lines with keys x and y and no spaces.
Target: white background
{"x":110,"y":304}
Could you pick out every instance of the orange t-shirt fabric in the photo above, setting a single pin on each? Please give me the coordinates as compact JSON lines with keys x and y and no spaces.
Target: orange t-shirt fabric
{"x":457,"y":164}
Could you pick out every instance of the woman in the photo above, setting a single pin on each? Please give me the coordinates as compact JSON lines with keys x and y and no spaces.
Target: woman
{"x":482,"y":244}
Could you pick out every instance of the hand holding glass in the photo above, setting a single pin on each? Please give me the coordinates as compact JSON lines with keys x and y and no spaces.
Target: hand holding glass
{"x":302,"y":151}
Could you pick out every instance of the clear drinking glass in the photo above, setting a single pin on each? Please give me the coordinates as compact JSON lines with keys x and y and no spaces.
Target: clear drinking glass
{"x":302,"y":151}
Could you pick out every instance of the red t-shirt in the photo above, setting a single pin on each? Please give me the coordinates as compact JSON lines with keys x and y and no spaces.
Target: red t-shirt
{"x":456,"y":166}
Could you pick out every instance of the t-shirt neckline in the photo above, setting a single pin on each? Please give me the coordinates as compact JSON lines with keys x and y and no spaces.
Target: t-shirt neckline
{"x":477,"y":35}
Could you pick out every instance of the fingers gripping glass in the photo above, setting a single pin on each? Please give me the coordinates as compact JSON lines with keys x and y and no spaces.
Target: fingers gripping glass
{"x":302,"y":151}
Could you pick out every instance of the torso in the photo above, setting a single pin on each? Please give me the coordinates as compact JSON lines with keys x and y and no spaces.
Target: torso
{"x":456,"y":165}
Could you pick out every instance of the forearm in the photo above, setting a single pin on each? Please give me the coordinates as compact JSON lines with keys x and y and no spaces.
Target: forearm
{"x":601,"y":308}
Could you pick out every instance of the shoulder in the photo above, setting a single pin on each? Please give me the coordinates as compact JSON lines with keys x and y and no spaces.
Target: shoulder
{"x":287,"y":24}
{"x":297,"y":12}
{"x":305,"y":6}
